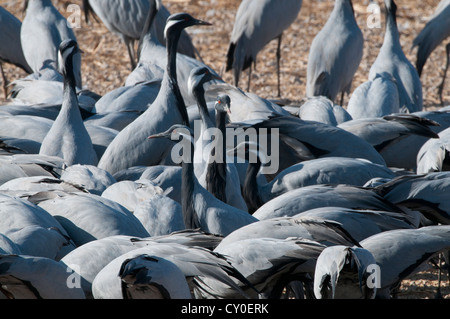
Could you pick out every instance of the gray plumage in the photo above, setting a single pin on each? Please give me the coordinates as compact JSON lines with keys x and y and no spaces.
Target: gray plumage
{"x":167,"y":109}
{"x":386,"y":134}
{"x":374,"y":98}
{"x":392,"y":60}
{"x":314,"y":196}
{"x":436,"y":30}
{"x":256,"y":24}
{"x":322,"y":109}
{"x":127,"y":20}
{"x":68,"y":138}
{"x":402,"y":253}
{"x":434,"y":33}
{"x":43,"y":30}
{"x":335,"y":54}
{"x":344,"y":273}
{"x":30,"y":277}
{"x":427,"y":194}
{"x":434,"y":155}
{"x":12,"y":53}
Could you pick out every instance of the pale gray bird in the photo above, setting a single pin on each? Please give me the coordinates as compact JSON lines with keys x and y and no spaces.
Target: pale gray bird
{"x":434,"y":33}
{"x":33,"y":230}
{"x":141,"y":276}
{"x":126,"y":18}
{"x":434,"y":155}
{"x":200,"y":208}
{"x":167,"y":109}
{"x":269,"y":264}
{"x":68,"y":138}
{"x":31,"y":277}
{"x":256,"y":24}
{"x":322,"y":109}
{"x":374,"y":98}
{"x":12,"y":52}
{"x":98,"y":253}
{"x":344,"y":273}
{"x":43,"y":30}
{"x":427,"y":194}
{"x":196,"y":264}
{"x":314,"y":196}
{"x":402,"y":253}
{"x":392,"y":60}
{"x":335,"y":54}
{"x":386,"y":134}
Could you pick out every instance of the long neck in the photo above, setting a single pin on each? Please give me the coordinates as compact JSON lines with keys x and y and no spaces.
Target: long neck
{"x":343,"y":9}
{"x":250,"y":191}
{"x":146,"y":37}
{"x":70,"y":99}
{"x":187,"y":195}
{"x":392,"y":36}
{"x":171,"y":72}
{"x":216,"y":176}
{"x":220,"y":124}
{"x":199,"y":94}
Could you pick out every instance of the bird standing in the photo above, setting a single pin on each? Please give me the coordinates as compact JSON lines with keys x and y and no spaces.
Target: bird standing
{"x":43,"y":30}
{"x":167,"y":109}
{"x":392,"y":60}
{"x":68,"y":137}
{"x":127,"y":20}
{"x":435,"y":32}
{"x":257,"y":23}
{"x":11,"y":53}
{"x":335,"y":54}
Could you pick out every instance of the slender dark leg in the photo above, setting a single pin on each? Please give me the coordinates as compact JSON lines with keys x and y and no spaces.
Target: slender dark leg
{"x":130,"y":47}
{"x":249,"y":77}
{"x":5,"y":81}
{"x":278,"y":63}
{"x":342,"y":98}
{"x":441,"y":86}
{"x":438,"y":291}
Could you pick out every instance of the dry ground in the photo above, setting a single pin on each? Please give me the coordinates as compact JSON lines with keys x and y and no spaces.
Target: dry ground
{"x":106,"y":64}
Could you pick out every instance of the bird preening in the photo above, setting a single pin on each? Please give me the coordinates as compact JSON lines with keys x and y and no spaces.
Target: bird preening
{"x":188,"y":179}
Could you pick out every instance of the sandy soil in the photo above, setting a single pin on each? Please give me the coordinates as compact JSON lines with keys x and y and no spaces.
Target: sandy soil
{"x":106,"y":63}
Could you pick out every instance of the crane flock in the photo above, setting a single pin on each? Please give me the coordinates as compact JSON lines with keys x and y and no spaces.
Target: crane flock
{"x":179,"y":185}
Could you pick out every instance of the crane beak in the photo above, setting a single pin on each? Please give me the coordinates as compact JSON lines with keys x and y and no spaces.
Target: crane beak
{"x":201,"y":22}
{"x":159,"y":135}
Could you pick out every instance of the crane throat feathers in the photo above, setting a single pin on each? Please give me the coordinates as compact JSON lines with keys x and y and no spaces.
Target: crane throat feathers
{"x":235,"y":145}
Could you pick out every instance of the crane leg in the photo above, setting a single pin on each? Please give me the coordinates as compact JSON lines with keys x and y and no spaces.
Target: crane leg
{"x":278,"y":63}
{"x":342,"y":98}
{"x":249,"y":77}
{"x":130,"y":47}
{"x":438,"y":291}
{"x":5,"y":81}
{"x":441,"y":86}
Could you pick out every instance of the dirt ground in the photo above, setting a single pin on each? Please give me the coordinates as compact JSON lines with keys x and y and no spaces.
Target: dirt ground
{"x":106,"y":62}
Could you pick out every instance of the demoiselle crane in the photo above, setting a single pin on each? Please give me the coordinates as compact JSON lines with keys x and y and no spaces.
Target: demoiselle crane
{"x":335,"y":54}
{"x":436,"y":30}
{"x":167,"y":109}
{"x":127,"y":20}
{"x":43,"y":30}
{"x":392,"y":60}
{"x":210,"y":145}
{"x":200,"y":208}
{"x":68,"y":138}
{"x":11,"y":53}
{"x":256,"y":24}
